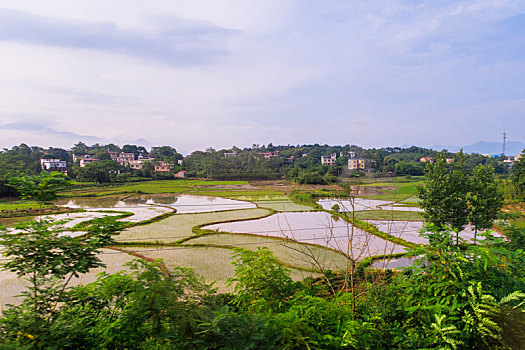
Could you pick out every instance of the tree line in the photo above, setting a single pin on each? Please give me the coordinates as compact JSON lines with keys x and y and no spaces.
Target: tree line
{"x":301,"y":164}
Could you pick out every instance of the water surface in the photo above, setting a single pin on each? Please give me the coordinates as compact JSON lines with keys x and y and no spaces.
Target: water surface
{"x":187,"y":203}
{"x":359,"y":204}
{"x":314,"y":227}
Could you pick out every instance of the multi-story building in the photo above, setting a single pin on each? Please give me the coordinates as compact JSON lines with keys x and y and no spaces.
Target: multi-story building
{"x":329,"y":160}
{"x":83,"y":160}
{"x":49,"y":164}
{"x":356,"y":164}
{"x":122,"y":158}
{"x":162,"y":166}
{"x":138,"y":163}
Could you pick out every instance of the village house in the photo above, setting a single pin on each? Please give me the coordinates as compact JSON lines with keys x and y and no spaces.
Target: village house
{"x":181,"y":174}
{"x":329,"y":160}
{"x":230,"y":154}
{"x":356,"y":164}
{"x":268,"y":155}
{"x":426,"y":159}
{"x":83,"y":160}
{"x":509,"y":162}
{"x":53,"y":164}
{"x":122,"y":158}
{"x":162,"y":166}
{"x":76,"y":157}
{"x":136,"y":164}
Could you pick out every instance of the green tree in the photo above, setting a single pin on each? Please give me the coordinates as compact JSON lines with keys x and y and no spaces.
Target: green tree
{"x":261,"y":282}
{"x":166,"y":153}
{"x":42,"y":188}
{"x":444,"y":195}
{"x":147,"y":308}
{"x":49,"y":259}
{"x":518,"y":174}
{"x":484,"y":198}
{"x":100,"y":172}
{"x":148,"y":168}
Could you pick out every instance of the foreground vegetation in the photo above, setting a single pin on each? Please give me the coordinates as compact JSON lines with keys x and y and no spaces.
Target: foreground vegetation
{"x":454,"y":297}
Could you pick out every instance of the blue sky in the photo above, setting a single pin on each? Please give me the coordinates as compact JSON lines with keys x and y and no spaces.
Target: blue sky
{"x":222,"y":73}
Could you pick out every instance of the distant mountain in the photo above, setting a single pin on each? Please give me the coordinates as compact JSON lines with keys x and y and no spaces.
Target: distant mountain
{"x":140,"y":142}
{"x":44,"y":130}
{"x":512,"y":148}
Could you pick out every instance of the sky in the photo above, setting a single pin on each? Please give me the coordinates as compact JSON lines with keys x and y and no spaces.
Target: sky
{"x":201,"y":73}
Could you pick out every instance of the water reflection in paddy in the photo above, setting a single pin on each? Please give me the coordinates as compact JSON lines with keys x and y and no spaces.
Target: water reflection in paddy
{"x":409,"y":230}
{"x":359,"y":204}
{"x":140,"y":212}
{"x":92,"y":202}
{"x":392,"y":263}
{"x":314,"y":227}
{"x":186,"y":203}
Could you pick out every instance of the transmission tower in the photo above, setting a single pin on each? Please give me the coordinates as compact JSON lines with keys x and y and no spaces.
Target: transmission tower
{"x":504,"y":139}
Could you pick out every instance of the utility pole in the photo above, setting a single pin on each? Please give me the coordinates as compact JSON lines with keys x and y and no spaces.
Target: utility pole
{"x":504,"y":139}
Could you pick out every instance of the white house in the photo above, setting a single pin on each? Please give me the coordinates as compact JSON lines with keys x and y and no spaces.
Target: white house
{"x":48,"y":164}
{"x":84,"y":160}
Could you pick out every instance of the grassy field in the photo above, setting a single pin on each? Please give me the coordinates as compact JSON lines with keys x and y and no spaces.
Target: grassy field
{"x":180,"y":226}
{"x":400,"y":193}
{"x":151,"y":187}
{"x":21,"y":205}
{"x":292,"y":254}
{"x":395,"y":189}
{"x":283,"y":205}
{"x":158,"y":186}
{"x":8,"y":222}
{"x":389,"y":215}
{"x":250,"y":195}
{"x":213,"y":263}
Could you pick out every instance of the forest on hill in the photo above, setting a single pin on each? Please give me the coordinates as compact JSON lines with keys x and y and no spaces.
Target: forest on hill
{"x":301,"y":164}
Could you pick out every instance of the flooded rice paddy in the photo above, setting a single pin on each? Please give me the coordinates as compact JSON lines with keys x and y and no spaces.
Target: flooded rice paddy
{"x":359,"y":204}
{"x":314,"y":227}
{"x":409,"y":230}
{"x":183,"y":203}
{"x":177,"y":227}
{"x":294,"y":221}
{"x":12,"y":285}
{"x":295,"y":254}
{"x":212,"y":263}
